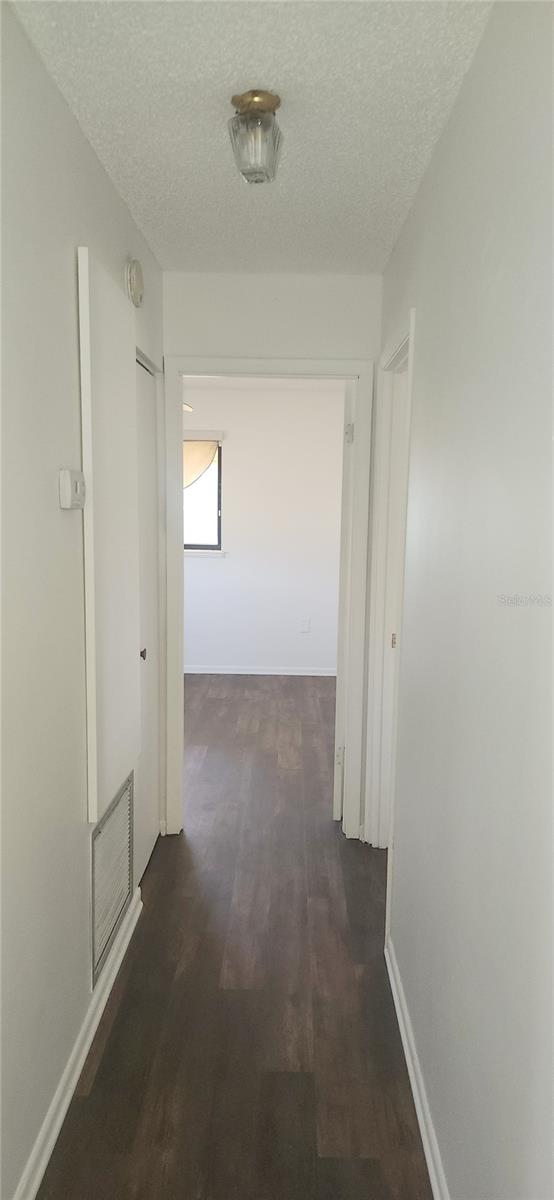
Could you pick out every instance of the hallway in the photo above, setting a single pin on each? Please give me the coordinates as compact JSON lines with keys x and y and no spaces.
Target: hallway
{"x":221,"y":399}
{"x":250,"y":1049}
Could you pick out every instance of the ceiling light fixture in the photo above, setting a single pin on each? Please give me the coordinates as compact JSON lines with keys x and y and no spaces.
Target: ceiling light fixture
{"x":255,"y":135}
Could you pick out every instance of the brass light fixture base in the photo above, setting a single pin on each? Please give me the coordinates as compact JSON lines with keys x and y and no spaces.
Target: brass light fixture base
{"x":256,"y":100}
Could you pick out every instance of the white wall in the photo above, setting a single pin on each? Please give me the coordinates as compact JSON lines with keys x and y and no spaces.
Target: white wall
{"x":472,"y":870}
{"x":55,"y":197}
{"x":281,"y":505}
{"x":272,"y":316}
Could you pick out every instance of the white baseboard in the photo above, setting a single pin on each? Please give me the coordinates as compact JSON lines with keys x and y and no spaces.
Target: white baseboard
{"x":260,"y":671}
{"x":39,"y":1157}
{"x":427,"y":1129}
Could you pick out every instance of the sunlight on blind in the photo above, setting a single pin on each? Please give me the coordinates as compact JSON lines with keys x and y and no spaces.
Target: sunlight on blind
{"x":201,"y":482}
{"x":197,"y":457}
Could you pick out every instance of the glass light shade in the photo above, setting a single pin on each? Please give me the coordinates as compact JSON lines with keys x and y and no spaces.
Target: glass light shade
{"x":256,"y":140}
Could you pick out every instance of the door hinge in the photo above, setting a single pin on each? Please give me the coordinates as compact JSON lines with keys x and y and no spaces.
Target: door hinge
{"x":393,"y":641}
{"x":339,"y":756}
{"x":349,"y":434}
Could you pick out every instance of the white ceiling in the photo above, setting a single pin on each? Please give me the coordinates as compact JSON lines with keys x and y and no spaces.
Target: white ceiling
{"x":366,"y":88}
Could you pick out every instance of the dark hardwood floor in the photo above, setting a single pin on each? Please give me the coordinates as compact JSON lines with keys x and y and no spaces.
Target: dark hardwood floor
{"x":250,"y":1049}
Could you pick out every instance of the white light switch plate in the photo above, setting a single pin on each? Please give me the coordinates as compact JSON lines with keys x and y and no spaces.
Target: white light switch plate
{"x":72,"y":488}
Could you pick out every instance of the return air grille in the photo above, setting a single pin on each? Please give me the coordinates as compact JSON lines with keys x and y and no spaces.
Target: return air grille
{"x":112,"y":873}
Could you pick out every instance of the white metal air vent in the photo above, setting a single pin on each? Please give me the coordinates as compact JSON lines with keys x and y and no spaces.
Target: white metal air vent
{"x":112,"y":873}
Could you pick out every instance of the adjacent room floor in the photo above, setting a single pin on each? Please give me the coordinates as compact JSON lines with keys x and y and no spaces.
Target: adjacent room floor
{"x":250,"y":1049}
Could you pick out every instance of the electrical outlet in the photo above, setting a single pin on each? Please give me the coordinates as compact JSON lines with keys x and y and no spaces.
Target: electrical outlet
{"x":306,"y":625}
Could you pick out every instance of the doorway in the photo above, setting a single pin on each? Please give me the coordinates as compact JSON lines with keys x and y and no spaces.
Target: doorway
{"x":351,"y":659}
{"x":262,"y":499}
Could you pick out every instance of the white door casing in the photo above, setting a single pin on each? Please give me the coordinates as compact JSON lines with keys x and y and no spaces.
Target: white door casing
{"x":352,"y":681}
{"x":394,"y":586}
{"x":387,"y":535}
{"x":147,"y":773}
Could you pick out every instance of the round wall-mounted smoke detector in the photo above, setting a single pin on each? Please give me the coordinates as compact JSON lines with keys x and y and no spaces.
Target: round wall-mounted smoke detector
{"x":134,"y":282}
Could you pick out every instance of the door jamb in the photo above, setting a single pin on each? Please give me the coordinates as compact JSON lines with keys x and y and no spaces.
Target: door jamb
{"x":358,"y":377}
{"x":158,"y":376}
{"x":378,"y":822}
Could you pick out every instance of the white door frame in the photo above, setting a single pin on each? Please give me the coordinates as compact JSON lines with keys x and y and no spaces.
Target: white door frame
{"x":379,"y":781}
{"x":351,"y":710}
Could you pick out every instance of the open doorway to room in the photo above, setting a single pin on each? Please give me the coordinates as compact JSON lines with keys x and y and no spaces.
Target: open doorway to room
{"x":262,"y":502}
{"x":267,"y":553}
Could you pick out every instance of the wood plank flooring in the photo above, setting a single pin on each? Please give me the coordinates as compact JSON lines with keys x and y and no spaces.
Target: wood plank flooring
{"x":250,"y":1049}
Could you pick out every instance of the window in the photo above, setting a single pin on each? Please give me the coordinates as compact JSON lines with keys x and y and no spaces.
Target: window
{"x":201,"y":494}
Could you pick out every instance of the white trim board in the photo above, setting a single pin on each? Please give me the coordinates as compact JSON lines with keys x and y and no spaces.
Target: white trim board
{"x":39,"y":1157}
{"x":431,"y":1150}
{"x":306,"y":672}
{"x":85,"y":374}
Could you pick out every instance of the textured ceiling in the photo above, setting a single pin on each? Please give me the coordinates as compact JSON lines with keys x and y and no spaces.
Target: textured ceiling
{"x":366,"y":87}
